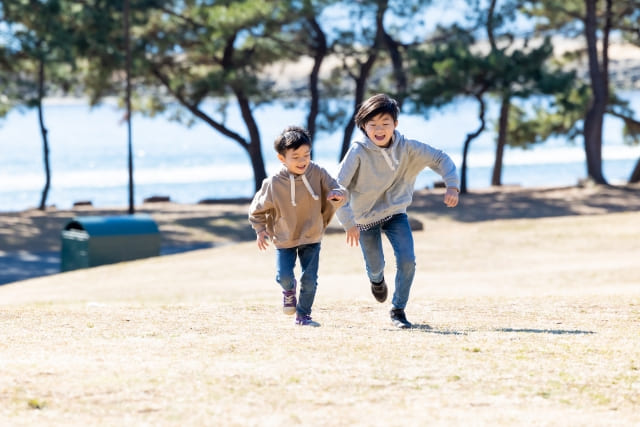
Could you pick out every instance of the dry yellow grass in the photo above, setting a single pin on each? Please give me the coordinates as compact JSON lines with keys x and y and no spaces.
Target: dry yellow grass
{"x":518,"y":322}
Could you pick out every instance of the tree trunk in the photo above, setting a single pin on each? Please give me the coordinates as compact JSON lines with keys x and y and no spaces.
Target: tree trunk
{"x":399,"y":74}
{"x":635,"y":175}
{"x":254,"y":148}
{"x":633,"y":126}
{"x":361,"y":87}
{"x":467,"y":143}
{"x":45,"y":140}
{"x":320,"y":49}
{"x":257,"y":163}
{"x":348,"y":133}
{"x":127,"y":42}
{"x":496,"y":178}
{"x":600,"y":93}
{"x":363,"y":75}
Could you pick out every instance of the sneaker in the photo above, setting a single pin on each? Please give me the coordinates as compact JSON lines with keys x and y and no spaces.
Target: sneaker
{"x":379,"y":291}
{"x":306,"y":321}
{"x":289,"y":301}
{"x":399,"y":319}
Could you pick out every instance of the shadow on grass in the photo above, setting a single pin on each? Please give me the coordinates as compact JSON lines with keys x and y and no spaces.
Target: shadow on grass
{"x":228,"y":226}
{"x":25,"y":265}
{"x":529,"y":203}
{"x":547,"y":331}
{"x":16,"y":263}
{"x":430,"y":330}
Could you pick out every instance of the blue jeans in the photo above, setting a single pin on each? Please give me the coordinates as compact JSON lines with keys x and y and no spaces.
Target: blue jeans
{"x":286,"y":261}
{"x":398,"y":231}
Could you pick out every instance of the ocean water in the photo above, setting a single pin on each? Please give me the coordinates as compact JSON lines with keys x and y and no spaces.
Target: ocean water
{"x":88,"y":154}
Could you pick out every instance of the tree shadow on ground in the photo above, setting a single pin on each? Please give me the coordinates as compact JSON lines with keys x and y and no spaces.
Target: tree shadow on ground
{"x":30,"y":242}
{"x":512,"y":203}
{"x":25,"y":265}
{"x":227,"y":227}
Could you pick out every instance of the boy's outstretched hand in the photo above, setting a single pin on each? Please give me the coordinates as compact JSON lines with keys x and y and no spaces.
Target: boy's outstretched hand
{"x":263,"y":240}
{"x":353,"y":236}
{"x":451,"y":197}
{"x":335,"y":196}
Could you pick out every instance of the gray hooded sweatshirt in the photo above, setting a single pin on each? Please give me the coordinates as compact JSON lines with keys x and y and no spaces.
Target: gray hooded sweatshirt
{"x":381,"y":181}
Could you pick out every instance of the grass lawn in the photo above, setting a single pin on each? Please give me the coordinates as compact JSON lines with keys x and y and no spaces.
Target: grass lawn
{"x":518,"y":322}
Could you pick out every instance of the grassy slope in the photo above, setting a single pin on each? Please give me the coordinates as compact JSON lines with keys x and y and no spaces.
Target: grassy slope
{"x":518,"y":322}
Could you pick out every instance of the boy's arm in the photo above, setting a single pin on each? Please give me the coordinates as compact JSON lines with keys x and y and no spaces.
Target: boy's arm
{"x":348,"y":170}
{"x":437,"y":160}
{"x":258,"y":212}
{"x":336,"y":193}
{"x":442,"y":164}
{"x":261,"y":206}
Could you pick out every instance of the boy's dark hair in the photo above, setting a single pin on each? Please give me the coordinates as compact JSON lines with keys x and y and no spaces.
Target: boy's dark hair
{"x":291,"y":138}
{"x":377,"y":104}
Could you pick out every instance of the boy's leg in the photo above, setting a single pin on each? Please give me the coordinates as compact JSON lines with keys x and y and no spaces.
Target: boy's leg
{"x":398,"y":231}
{"x":285,"y":263}
{"x":371,"y":245}
{"x":309,"y":259}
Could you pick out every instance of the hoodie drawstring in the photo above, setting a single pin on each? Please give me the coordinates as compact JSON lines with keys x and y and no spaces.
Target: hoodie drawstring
{"x":292,"y":182}
{"x":306,"y":184}
{"x":390,"y":162}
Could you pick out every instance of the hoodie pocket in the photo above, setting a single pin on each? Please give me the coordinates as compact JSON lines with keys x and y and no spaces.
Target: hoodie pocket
{"x":281,"y":230}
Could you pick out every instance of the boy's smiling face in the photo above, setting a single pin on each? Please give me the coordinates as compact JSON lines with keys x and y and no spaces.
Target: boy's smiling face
{"x":380,"y":129}
{"x":296,"y":160}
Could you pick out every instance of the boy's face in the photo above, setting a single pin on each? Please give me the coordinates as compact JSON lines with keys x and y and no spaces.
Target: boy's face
{"x":296,"y":160}
{"x":380,"y":129}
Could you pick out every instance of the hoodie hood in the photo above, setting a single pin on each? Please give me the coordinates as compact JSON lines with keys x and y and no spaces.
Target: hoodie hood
{"x":387,"y":153}
{"x":285,"y":174}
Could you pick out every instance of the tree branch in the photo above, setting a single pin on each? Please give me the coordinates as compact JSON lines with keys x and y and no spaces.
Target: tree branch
{"x":626,"y":119}
{"x":198,"y":112}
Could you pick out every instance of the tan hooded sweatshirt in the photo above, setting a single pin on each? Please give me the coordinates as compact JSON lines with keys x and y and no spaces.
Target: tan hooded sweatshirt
{"x":294,"y":208}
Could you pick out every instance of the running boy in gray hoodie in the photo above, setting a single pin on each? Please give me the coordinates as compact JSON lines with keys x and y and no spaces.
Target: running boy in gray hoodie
{"x":293,"y":209}
{"x":379,"y":171}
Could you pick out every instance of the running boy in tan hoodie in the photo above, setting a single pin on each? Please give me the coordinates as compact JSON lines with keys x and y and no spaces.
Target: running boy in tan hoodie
{"x":293,"y":209}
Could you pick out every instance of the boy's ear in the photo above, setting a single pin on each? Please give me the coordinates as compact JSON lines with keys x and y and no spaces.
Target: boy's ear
{"x":395,"y":125}
{"x":281,"y":157}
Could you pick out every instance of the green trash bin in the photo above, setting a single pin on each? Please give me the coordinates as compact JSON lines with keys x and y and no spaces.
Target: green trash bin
{"x":89,"y":241}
